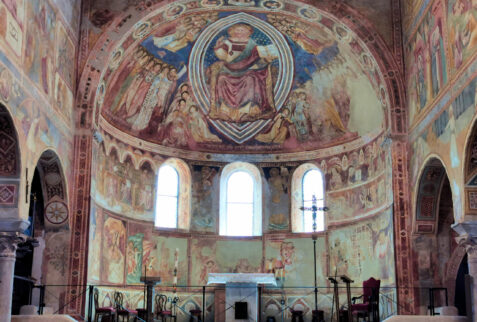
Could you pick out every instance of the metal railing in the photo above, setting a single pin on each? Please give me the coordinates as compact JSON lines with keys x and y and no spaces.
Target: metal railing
{"x":274,"y":303}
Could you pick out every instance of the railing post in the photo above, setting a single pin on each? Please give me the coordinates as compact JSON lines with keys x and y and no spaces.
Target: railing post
{"x":42,"y":300}
{"x":259,"y":303}
{"x":431,"y":301}
{"x":203,"y":303}
{"x":90,"y":303}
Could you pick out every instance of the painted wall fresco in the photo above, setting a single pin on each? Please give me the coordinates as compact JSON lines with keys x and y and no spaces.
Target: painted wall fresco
{"x":55,"y":266}
{"x":172,"y":260}
{"x":95,"y":242}
{"x":291,"y":261}
{"x":277,"y":195}
{"x":181,"y":98}
{"x":71,"y":12}
{"x":203,"y":260}
{"x":445,"y":136}
{"x":121,"y":188}
{"x":379,"y":12}
{"x":40,"y":47}
{"x":223,"y":256}
{"x":40,"y":104}
{"x":38,"y":62}
{"x":462,"y":25}
{"x":355,"y":183}
{"x":364,"y":249}
{"x":249,"y":260}
{"x":205,"y":194}
{"x":426,"y":61}
{"x":154,"y":62}
{"x":113,"y":251}
{"x":12,"y":25}
{"x":37,"y":126}
{"x":65,"y":56}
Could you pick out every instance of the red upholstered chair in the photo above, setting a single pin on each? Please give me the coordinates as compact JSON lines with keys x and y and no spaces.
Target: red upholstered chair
{"x":160,"y":309}
{"x":122,"y":311}
{"x":107,"y":311}
{"x":370,"y":301}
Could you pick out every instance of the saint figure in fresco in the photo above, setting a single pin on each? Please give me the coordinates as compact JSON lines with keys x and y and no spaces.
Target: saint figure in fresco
{"x":241,"y":81}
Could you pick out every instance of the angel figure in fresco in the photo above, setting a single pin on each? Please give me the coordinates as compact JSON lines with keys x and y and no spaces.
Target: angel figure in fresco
{"x":209,"y":267}
{"x":382,"y":249}
{"x":174,"y":131}
{"x":280,"y":265}
{"x":457,"y":26}
{"x":281,"y":129}
{"x":310,"y":45}
{"x":300,"y":114}
{"x":463,"y":28}
{"x":114,"y":233}
{"x":134,"y":258}
{"x":342,"y":100}
{"x":198,"y":128}
{"x":241,"y":81}
{"x":176,"y":41}
{"x":149,"y":258}
{"x":331,"y":117}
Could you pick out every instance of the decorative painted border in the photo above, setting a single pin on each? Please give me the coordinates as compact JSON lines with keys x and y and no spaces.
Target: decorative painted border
{"x":9,"y":193}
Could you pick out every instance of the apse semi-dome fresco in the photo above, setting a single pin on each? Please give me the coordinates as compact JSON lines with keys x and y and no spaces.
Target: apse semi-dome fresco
{"x":242,"y":76}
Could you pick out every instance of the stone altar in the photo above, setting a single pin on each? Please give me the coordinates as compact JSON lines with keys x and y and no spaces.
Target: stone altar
{"x":241,"y":287}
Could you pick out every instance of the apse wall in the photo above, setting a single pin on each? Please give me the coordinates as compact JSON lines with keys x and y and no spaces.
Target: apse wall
{"x":440,"y":52}
{"x":123,"y":241}
{"x":38,"y":44}
{"x":162,"y":93}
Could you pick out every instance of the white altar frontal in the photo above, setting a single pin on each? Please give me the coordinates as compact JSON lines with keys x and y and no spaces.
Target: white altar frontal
{"x":241,"y":288}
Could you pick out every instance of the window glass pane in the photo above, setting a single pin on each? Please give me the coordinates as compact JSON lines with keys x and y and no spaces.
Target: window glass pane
{"x":166,"y":212}
{"x":168,"y":181}
{"x":239,"y":219}
{"x":240,"y":187}
{"x":312,"y":185}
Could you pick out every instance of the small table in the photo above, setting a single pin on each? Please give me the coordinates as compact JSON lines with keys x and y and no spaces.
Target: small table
{"x":150,"y":282}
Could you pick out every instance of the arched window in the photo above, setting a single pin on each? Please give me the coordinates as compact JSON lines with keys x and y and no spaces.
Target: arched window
{"x":307,"y":182}
{"x":240,"y":200}
{"x":173,"y":196}
{"x":167,"y":201}
{"x":313,"y":188}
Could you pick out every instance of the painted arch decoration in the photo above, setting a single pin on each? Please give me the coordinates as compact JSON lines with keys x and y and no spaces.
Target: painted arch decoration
{"x":242,"y":79}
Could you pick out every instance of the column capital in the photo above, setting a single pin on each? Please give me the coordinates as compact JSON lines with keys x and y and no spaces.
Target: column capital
{"x":9,"y":243}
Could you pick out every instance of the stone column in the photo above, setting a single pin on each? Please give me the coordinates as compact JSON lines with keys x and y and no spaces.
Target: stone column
{"x":8,"y":248}
{"x":468,"y":238}
{"x":472,"y":262}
